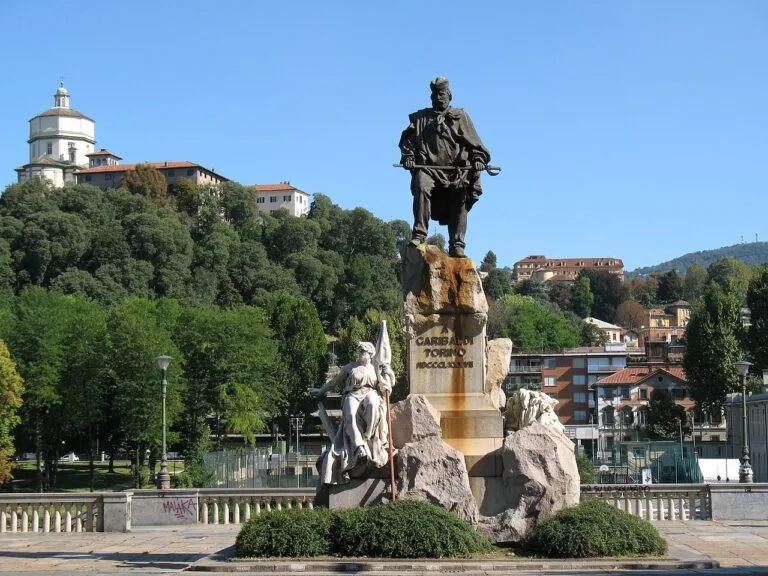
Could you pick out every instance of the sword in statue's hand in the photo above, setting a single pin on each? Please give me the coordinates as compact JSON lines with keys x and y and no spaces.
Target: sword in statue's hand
{"x":492,"y":170}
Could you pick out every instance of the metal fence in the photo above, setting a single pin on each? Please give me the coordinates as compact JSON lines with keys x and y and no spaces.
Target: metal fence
{"x":260,"y":468}
{"x":657,"y":462}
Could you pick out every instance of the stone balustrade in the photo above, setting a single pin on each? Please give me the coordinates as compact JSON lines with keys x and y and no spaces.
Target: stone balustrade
{"x":655,"y":502}
{"x":117,"y":511}
{"x":71,"y":512}
{"x":235,"y":506}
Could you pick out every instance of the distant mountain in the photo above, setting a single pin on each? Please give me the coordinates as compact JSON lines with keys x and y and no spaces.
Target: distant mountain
{"x":752,"y":254}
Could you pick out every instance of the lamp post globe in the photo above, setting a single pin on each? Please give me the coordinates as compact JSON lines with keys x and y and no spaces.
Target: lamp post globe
{"x":163,"y":478}
{"x":745,"y":470}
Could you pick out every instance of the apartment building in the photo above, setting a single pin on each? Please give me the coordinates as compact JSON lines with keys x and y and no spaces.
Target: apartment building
{"x":622,"y":406}
{"x":663,"y":333}
{"x":569,"y":376}
{"x":543,"y":269}
{"x":271,"y":197}
{"x":757,"y":429}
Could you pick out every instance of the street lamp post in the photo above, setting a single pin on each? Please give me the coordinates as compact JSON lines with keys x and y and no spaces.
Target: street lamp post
{"x":163,"y":479}
{"x":745,"y":471}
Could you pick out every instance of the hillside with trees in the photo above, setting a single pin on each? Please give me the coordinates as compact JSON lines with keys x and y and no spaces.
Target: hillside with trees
{"x":751,"y":254}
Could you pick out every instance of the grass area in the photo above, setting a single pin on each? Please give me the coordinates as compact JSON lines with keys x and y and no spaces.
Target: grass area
{"x":74,"y":476}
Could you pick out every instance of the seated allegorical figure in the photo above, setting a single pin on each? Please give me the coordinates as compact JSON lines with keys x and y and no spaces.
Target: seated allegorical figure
{"x":361,"y":440}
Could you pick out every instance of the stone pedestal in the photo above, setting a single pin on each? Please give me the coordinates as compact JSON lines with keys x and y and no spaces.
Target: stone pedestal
{"x":445,"y":314}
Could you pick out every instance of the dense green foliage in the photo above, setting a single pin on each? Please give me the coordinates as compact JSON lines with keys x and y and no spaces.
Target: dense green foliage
{"x":404,"y":529}
{"x":714,"y":343}
{"x":757,"y":300}
{"x":595,"y":528}
{"x":296,"y":532}
{"x":95,"y":283}
{"x":751,"y":254}
{"x":586,"y":468}
{"x":665,"y":417}
{"x":11,"y":388}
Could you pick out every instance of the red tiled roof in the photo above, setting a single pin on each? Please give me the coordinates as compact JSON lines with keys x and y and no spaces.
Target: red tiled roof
{"x":281,"y":187}
{"x":104,"y":152}
{"x":573,"y":262}
{"x":638,"y":374}
{"x":126,"y":167}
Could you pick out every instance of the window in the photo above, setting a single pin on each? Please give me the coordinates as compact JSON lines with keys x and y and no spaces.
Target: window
{"x":49,"y":148}
{"x":714,"y":438}
{"x":579,"y":380}
{"x":579,"y":398}
{"x":260,"y":200}
{"x":591,"y":379}
{"x":549,"y":380}
{"x":643,"y":394}
{"x":107,"y":176}
{"x":578,"y":362}
{"x":190,"y":171}
{"x":287,"y":198}
{"x":87,"y":177}
{"x":272,"y":199}
{"x":72,"y":155}
{"x":608,"y":393}
{"x":627,"y":417}
{"x":550,"y":363}
{"x":580,"y":415}
{"x":608,"y":417}
{"x":170,"y":173}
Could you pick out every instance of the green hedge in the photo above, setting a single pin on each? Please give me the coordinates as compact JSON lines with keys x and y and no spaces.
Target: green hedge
{"x":595,"y":528}
{"x":294,"y":532}
{"x":404,"y":529}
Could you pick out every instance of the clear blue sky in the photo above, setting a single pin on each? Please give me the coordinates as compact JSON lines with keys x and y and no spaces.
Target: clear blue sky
{"x":633,"y":129}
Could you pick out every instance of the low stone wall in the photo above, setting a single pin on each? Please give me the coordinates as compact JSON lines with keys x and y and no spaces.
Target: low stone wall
{"x":164,"y":507}
{"x":739,"y":501}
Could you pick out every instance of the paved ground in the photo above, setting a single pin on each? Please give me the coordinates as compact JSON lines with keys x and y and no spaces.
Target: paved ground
{"x":740,"y":547}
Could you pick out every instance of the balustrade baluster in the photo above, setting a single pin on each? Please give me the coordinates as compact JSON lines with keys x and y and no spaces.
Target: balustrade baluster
{"x":14,"y":520}
{"x":226,"y":511}
{"x":35,"y":518}
{"x":671,"y":507}
{"x":247,"y":509}
{"x":660,"y":508}
{"x":236,"y":505}
{"x":47,"y":519}
{"x":279,"y":503}
{"x":204,"y":511}
{"x":67,"y":518}
{"x":78,"y":518}
{"x":3,"y":519}
{"x":89,"y":517}
{"x":310,"y":505}
{"x":24,"y":518}
{"x":215,"y":510}
{"x":57,"y":519}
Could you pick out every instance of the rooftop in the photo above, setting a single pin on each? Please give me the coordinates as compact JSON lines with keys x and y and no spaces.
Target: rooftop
{"x":159,"y":165}
{"x":280,"y":187}
{"x":59,"y":111}
{"x":635,"y":375}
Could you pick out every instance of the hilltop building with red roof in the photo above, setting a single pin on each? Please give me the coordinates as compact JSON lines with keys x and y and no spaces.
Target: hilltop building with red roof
{"x":282,"y":196}
{"x":545,"y":269}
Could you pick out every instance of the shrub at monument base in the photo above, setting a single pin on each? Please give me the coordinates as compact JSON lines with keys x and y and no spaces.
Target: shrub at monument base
{"x":404,"y":529}
{"x":594,"y":528}
{"x":295,"y":532}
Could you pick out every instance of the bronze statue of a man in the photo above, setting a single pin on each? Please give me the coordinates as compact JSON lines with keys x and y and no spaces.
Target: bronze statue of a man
{"x":445,"y":156}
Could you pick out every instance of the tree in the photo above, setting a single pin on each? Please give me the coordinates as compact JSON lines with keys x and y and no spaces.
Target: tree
{"x":670,"y":288}
{"x":582,"y":298}
{"x":232,"y":370}
{"x":608,"y":293}
{"x":186,"y":196}
{"x":665,"y":417}
{"x":497,"y":284}
{"x":437,"y":240}
{"x":536,"y":289}
{"x":139,"y":331}
{"x":757,"y":300}
{"x":36,"y":340}
{"x":560,"y":295}
{"x":714,"y":336}
{"x":631,"y":315}
{"x":11,"y":390}
{"x":302,"y":348}
{"x":489,"y":261}
{"x":530,"y":325}
{"x":726,"y":269}
{"x":147,"y":181}
{"x":694,"y":283}
{"x":644,"y":290}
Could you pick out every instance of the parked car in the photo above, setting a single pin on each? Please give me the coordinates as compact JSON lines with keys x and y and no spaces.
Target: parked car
{"x":71,"y":457}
